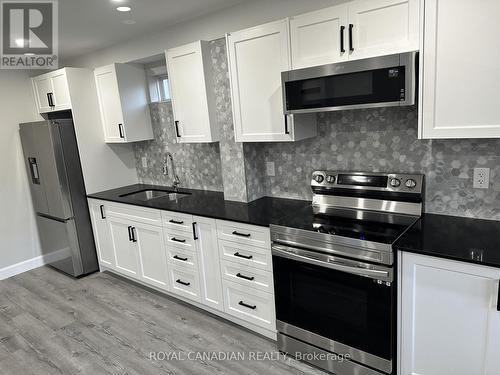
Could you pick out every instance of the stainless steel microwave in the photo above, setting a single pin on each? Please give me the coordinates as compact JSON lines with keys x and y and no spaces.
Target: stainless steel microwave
{"x":375,"y":82}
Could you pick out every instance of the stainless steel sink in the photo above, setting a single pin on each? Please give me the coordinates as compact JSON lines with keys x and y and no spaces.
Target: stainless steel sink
{"x":150,"y":194}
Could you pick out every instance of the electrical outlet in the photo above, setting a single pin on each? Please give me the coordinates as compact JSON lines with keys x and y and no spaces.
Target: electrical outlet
{"x":270,"y":171}
{"x":144,"y":162}
{"x":481,"y":178}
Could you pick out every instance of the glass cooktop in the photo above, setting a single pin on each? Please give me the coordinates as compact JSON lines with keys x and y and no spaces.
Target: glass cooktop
{"x":363,"y":225}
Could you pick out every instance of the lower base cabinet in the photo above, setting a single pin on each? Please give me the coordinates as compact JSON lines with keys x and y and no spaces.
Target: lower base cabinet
{"x":450,"y":318}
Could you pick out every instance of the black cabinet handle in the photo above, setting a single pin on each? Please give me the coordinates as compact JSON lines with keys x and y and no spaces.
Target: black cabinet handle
{"x":241,"y":234}
{"x":286,"y":125}
{"x":498,"y":300}
{"x":130,"y":233}
{"x":120,"y":129}
{"x":194,"y":231}
{"x":250,"y":278}
{"x":102,"y":211}
{"x":179,"y":258}
{"x":351,"y":44}
{"x":177,"y":240}
{"x":342,"y":47}
{"x":132,"y":230}
{"x":243,"y":256}
{"x":177,"y":129}
{"x":50,"y":99}
{"x":241,"y":303}
{"x":179,"y":281}
{"x":176,"y":222}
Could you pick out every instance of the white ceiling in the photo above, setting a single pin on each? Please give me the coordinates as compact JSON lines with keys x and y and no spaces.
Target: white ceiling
{"x":90,"y":25}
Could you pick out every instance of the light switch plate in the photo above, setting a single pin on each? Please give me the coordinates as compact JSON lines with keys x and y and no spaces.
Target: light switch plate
{"x":144,"y":162}
{"x":481,"y":178}
{"x":270,"y":170}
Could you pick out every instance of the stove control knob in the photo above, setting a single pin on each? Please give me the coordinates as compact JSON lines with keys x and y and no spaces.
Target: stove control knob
{"x":395,"y":182}
{"x":319,"y":178}
{"x":410,"y":183}
{"x":330,"y":179}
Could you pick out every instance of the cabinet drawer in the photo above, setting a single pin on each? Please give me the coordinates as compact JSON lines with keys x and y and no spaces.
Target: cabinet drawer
{"x":249,"y":277}
{"x":177,"y":221}
{"x":246,"y":255}
{"x":129,"y":212}
{"x":254,"y":306}
{"x":179,"y":239}
{"x":244,"y":233}
{"x":184,"y":282}
{"x":182,"y":258}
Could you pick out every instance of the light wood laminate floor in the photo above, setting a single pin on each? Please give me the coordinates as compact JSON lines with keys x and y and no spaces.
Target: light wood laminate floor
{"x":102,"y":324}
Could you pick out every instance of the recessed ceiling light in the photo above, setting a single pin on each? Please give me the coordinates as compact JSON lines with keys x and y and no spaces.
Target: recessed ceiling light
{"x":129,"y":22}
{"x":123,"y":9}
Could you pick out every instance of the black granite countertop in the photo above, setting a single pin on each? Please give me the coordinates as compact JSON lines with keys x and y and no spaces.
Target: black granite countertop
{"x":211,"y":204}
{"x":457,"y":238}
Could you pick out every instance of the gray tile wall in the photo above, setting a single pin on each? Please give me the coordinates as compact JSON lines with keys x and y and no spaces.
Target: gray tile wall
{"x":382,"y":140}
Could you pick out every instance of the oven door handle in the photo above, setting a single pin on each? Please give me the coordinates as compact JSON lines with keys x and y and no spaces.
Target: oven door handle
{"x":343,"y":266}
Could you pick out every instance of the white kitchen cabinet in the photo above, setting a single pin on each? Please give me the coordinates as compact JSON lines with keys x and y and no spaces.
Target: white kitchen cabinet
{"x":205,"y":231}
{"x":125,"y":250}
{"x":51,"y":91}
{"x":257,"y":56}
{"x":152,"y":256}
{"x":450,"y":321}
{"x":102,"y":234}
{"x":123,"y":102}
{"x":460,"y":79}
{"x":382,"y":27}
{"x":319,"y":37}
{"x":191,"y":83}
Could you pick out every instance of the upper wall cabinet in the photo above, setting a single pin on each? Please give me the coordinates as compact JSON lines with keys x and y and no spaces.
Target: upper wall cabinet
{"x":123,"y":101}
{"x":51,"y":91}
{"x":257,"y":56}
{"x":359,"y":29}
{"x":460,"y":74}
{"x":191,"y":82}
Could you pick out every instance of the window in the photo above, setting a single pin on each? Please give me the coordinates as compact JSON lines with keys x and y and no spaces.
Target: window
{"x":162,"y":88}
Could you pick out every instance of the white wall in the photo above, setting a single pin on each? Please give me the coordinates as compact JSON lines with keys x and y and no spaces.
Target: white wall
{"x":208,"y":27}
{"x":18,"y":234}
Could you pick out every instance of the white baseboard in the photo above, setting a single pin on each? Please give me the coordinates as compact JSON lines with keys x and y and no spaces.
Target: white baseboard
{"x":32,"y":263}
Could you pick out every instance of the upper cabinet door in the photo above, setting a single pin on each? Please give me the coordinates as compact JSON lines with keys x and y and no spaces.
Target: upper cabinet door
{"x":60,"y":91}
{"x":191,"y":85}
{"x":109,"y":100}
{"x":460,"y":74}
{"x":42,"y":87}
{"x":319,"y":37}
{"x":123,"y":101}
{"x":257,"y":56}
{"x":382,"y":27}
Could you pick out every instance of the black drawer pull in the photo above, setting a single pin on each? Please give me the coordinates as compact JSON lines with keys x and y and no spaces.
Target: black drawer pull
{"x":241,"y":234}
{"x":179,"y":281}
{"x":177,"y":240}
{"x":101,"y":207}
{"x":175,"y":222}
{"x":243,"y":256}
{"x":241,"y":303}
{"x":250,"y":278}
{"x":179,"y":258}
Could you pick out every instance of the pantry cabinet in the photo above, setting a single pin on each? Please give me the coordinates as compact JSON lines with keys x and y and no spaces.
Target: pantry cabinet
{"x":450,"y":317}
{"x":51,"y":91}
{"x":191,"y":83}
{"x":257,"y":56}
{"x":123,"y":102}
{"x":355,"y":30}
{"x":460,"y":79}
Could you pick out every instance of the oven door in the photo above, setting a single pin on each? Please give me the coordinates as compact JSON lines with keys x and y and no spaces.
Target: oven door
{"x":376,"y":82}
{"x":337,"y":304}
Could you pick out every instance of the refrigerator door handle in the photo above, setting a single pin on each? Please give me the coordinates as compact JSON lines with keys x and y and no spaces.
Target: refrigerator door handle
{"x":35,"y":176}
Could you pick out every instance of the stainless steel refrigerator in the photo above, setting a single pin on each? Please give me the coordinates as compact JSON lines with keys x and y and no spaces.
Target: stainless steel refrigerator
{"x":59,"y":198}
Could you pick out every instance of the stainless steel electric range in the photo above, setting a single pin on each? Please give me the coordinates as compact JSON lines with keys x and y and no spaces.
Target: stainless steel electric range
{"x":334,"y":270}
